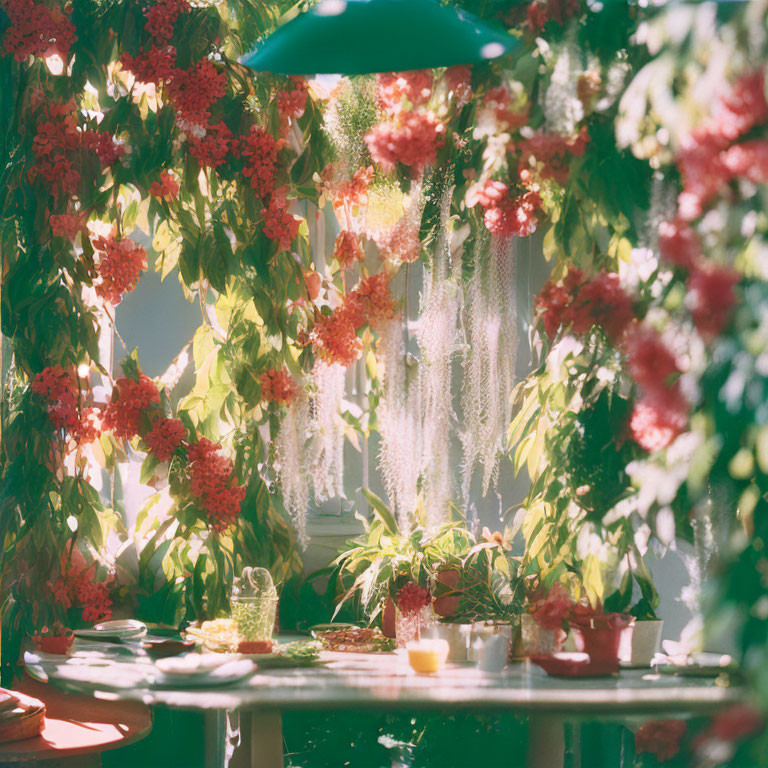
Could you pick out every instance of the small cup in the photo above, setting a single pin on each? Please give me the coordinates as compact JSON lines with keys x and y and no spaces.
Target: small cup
{"x":427,"y":656}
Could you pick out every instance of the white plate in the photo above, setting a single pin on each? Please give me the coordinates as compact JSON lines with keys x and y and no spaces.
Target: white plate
{"x":225,"y":674}
{"x":123,"y":629}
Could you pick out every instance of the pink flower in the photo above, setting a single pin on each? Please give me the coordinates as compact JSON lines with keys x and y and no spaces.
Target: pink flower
{"x":656,"y":423}
{"x":513,"y":217}
{"x":602,"y":302}
{"x":650,"y":363}
{"x":711,"y":298}
{"x":412,"y":140}
{"x":679,"y":244}
{"x":393,"y":87}
{"x":412,"y":598}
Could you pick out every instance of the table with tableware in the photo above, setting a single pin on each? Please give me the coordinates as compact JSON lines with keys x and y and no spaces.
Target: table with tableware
{"x":244,"y":696}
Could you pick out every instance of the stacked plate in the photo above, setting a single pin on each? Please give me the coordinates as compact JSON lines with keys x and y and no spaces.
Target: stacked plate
{"x":21,"y":716}
{"x":201,"y":670}
{"x":120,"y":630}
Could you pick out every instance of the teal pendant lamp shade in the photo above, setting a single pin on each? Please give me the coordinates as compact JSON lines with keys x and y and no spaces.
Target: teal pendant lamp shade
{"x":357,"y":37}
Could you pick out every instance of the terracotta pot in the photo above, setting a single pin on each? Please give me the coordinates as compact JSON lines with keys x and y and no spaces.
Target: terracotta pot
{"x":600,"y":636}
{"x":57,"y":645}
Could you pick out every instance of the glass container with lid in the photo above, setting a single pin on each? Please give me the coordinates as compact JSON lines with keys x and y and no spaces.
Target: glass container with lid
{"x":254,"y":604}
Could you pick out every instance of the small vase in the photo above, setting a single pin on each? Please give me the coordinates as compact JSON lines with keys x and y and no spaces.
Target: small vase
{"x":536,"y":639}
{"x":409,"y":626}
{"x":640,"y":643}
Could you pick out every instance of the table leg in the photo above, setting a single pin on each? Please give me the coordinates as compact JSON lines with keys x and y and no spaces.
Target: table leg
{"x":546,"y":742}
{"x":260,"y":744}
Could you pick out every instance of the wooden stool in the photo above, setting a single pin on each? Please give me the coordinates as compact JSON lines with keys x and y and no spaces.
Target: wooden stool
{"x":77,"y":729}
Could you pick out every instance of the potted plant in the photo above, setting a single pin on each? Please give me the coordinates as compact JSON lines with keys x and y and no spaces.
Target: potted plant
{"x":642,"y":642}
{"x":56,"y":639}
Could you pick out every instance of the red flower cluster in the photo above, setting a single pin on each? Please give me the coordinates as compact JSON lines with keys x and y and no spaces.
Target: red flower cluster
{"x":130,"y":399}
{"x":259,"y":150}
{"x":711,"y":298}
{"x":166,"y":189}
{"x":348,"y":249}
{"x":334,"y":337}
{"x":193,"y":91}
{"x":161,"y":18}
{"x":412,"y":598}
{"x":541,"y":11}
{"x":97,"y":605}
{"x":400,"y":243}
{"x":548,"y":155}
{"x":412,"y":140}
{"x":212,"y":483}
{"x":600,"y":301}
{"x":737,"y":722}
{"x":393,"y":87}
{"x":37,"y":30}
{"x":603,"y":302}
{"x":157,"y":65}
{"x":706,"y":162}
{"x":679,"y":244}
{"x":661,"y":738}
{"x":67,"y":225}
{"x":291,"y":104}
{"x":348,"y":192}
{"x":514,"y":217}
{"x":210,"y":149}
{"x":374,"y":299}
{"x":278,"y":386}
{"x":76,"y":583}
{"x":550,"y":611}
{"x":278,"y":223}
{"x":166,"y":436}
{"x":661,"y":414}
{"x":120,"y":265}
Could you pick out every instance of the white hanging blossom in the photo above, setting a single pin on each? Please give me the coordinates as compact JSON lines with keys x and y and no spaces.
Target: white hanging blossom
{"x":438,"y":339}
{"x":399,"y":425}
{"x":327,"y":428}
{"x":563,"y":109}
{"x":291,"y":464}
{"x":489,"y":360}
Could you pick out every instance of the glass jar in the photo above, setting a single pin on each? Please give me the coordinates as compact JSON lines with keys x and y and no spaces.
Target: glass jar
{"x":409,"y":626}
{"x":536,"y":639}
{"x":254,"y":605}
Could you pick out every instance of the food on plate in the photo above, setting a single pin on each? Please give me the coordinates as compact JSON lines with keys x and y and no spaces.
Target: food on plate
{"x":353,"y":639}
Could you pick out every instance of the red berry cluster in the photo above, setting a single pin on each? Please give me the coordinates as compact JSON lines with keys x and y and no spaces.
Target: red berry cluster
{"x":37,"y":30}
{"x":542,"y":11}
{"x":291,"y":103}
{"x":77,"y":584}
{"x":413,"y":140}
{"x":165,"y":437}
{"x":374,"y":299}
{"x":348,"y":249}
{"x":259,"y":152}
{"x":157,"y":65}
{"x":193,"y":91}
{"x":212,"y":483}
{"x":120,"y":265}
{"x":130,"y":399}
{"x":412,"y":598}
{"x":211,"y":149}
{"x":97,"y":604}
{"x":278,"y":386}
{"x":166,"y":189}
{"x":161,"y":18}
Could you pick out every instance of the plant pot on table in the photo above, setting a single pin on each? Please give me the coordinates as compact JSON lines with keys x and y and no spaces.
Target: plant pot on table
{"x":599,"y":635}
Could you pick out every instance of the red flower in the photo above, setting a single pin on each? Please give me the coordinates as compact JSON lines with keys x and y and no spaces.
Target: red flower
{"x":660,"y":738}
{"x":157,"y":65}
{"x":541,"y":11}
{"x":97,"y":605}
{"x":278,"y":223}
{"x":553,"y":301}
{"x":166,"y":189}
{"x":130,"y":399}
{"x":259,"y":149}
{"x":212,"y":483}
{"x":748,"y":160}
{"x":375,"y":300}
{"x":278,"y":386}
{"x":550,"y":612}
{"x":508,"y":116}
{"x":712,"y":298}
{"x":412,"y":598}
{"x":193,"y":91}
{"x":37,"y":30}
{"x":514,"y":217}
{"x":602,"y":302}
{"x":57,"y":385}
{"x":161,"y":18}
{"x":334,"y":337}
{"x":166,"y":436}
{"x":414,"y":85}
{"x":651,"y":364}
{"x":549,"y":154}
{"x":656,"y":422}
{"x":67,"y":225}
{"x":412,"y":140}
{"x":291,"y":104}
{"x":348,"y":249}
{"x":679,"y":244}
{"x":120,"y":265}
{"x":737,"y":722}
{"x":211,"y":148}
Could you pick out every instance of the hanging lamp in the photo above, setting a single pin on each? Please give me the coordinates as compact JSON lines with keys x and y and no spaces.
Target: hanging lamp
{"x":357,"y":37}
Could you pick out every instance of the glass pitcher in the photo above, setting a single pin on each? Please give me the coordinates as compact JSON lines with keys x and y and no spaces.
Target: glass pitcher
{"x":254,"y":604}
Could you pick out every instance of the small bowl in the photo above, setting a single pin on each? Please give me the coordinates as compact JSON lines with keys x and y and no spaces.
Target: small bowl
{"x":58,"y":645}
{"x":427,"y":657}
{"x":163,"y":648}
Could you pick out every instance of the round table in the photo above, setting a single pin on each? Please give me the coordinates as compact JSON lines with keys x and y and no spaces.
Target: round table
{"x":384,"y":681}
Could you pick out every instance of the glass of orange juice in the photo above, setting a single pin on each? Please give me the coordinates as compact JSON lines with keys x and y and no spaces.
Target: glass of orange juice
{"x":427,"y":656}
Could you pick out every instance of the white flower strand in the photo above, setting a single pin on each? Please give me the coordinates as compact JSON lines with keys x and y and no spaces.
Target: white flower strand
{"x":327,"y":446}
{"x":291,"y":464}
